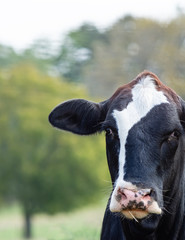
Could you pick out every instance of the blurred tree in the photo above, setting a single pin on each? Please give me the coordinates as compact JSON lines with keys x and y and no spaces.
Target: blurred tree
{"x":45,"y":170}
{"x":133,"y":45}
{"x":127,"y":51}
{"x":8,"y":57}
{"x":76,"y":51}
{"x":40,"y":54}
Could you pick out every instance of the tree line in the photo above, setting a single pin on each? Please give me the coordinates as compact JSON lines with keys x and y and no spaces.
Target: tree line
{"x":113,"y":56}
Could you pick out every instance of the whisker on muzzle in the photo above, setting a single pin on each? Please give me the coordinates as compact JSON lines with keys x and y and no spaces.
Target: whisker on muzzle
{"x":167,"y":211}
{"x":133,"y":216}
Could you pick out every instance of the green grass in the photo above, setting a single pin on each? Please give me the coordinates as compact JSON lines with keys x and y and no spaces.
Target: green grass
{"x":83,"y":224}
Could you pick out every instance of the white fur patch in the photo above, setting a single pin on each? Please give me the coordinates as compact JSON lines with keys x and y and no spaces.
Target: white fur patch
{"x":145,"y":96}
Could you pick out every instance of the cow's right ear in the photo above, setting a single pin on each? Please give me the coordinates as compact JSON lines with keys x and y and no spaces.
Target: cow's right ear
{"x":182,"y":117}
{"x":78,"y":116}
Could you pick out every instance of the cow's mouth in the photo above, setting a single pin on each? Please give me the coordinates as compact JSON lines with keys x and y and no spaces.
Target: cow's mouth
{"x":140,"y":213}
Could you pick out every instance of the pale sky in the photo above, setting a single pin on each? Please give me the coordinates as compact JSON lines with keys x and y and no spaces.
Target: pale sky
{"x":23,"y":21}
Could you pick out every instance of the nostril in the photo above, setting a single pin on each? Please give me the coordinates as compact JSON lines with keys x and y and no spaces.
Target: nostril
{"x":121,"y":194}
{"x":146,"y":195}
{"x":150,"y":193}
{"x":145,"y":192}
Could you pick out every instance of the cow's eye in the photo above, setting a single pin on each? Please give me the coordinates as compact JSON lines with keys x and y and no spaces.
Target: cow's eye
{"x":170,"y":144}
{"x":174,"y":136}
{"x":109,"y":132}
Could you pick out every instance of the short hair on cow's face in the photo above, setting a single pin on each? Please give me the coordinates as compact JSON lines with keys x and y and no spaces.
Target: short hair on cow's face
{"x":144,"y":125}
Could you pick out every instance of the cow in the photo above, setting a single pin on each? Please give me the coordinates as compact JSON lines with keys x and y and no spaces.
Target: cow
{"x":144,"y":124}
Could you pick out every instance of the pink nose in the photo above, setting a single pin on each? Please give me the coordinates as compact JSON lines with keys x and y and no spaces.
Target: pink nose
{"x":130,"y":199}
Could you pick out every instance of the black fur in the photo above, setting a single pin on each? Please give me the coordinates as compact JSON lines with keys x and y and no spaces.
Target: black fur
{"x":78,"y":116}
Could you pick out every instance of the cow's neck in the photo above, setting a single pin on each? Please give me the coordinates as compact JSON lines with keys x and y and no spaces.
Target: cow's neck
{"x":140,"y":231}
{"x":172,"y":222}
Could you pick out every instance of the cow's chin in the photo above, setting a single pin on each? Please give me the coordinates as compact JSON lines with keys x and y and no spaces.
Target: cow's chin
{"x":144,"y":220}
{"x":135,"y":214}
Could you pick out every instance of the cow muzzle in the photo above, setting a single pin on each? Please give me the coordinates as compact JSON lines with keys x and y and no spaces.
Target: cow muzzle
{"x":134,"y":203}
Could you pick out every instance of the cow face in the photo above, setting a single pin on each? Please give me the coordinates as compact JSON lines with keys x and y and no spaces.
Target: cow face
{"x":143,"y":138}
{"x":143,"y":131}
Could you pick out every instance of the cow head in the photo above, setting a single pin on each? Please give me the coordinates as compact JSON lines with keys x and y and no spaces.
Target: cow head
{"x":143,"y":122}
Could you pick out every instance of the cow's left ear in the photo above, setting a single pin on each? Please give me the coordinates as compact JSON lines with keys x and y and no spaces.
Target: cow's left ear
{"x":78,"y":116}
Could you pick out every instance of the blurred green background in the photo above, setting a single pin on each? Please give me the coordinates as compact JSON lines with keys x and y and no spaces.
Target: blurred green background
{"x":54,"y":185}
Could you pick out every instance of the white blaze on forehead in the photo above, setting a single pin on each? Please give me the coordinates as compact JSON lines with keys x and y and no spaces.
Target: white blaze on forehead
{"x":144,"y":97}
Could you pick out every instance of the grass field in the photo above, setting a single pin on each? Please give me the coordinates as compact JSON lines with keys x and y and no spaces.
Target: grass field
{"x":84,"y":224}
